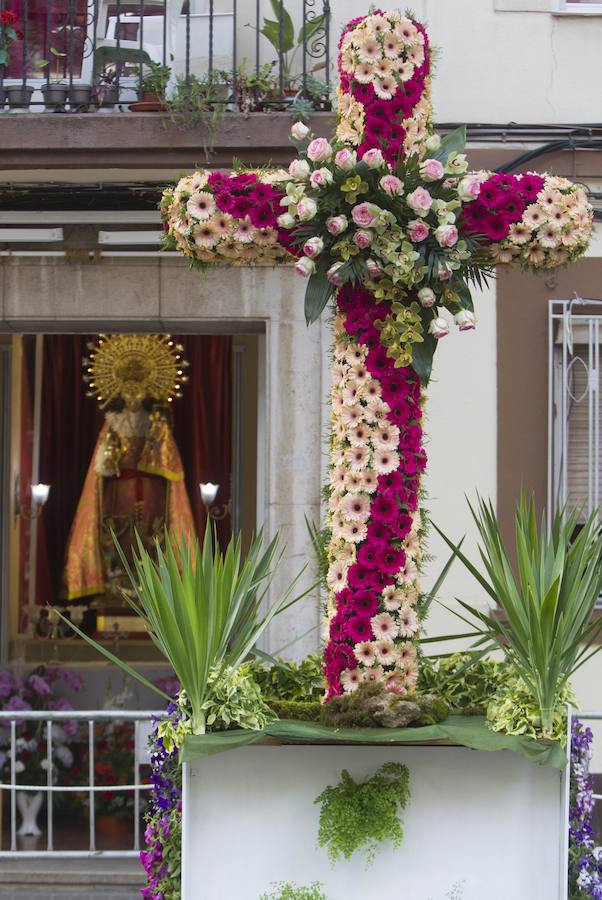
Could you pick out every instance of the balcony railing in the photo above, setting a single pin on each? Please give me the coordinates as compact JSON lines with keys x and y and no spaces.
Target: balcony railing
{"x":48,"y":784}
{"x":89,"y":55}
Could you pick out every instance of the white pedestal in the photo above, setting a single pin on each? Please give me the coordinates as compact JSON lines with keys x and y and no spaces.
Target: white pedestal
{"x":494,"y":820}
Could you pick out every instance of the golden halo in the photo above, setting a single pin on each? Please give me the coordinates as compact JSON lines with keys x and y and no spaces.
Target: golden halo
{"x":135,"y":367}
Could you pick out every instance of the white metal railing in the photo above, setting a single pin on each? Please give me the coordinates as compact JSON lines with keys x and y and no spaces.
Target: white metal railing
{"x":591,"y":716}
{"x":91,"y":717}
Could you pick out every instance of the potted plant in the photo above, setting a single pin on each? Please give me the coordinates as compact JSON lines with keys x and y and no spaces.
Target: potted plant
{"x":8,"y":34}
{"x":254,"y":88}
{"x":35,"y":691}
{"x":154,"y":78}
{"x":55,"y":90}
{"x":281,"y":35}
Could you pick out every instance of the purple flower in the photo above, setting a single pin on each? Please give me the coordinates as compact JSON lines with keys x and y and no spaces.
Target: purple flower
{"x":7,"y":683}
{"x":39,"y":685}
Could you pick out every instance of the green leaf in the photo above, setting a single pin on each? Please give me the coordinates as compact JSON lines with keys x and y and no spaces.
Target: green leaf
{"x":423,"y":353}
{"x":272,"y":29}
{"x":311,"y":27}
{"x":317,"y":294}
{"x":454,"y":142}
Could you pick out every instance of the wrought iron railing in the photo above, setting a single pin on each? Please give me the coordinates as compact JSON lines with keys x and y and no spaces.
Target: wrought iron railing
{"x":85,"y":55}
{"x":14,"y":721}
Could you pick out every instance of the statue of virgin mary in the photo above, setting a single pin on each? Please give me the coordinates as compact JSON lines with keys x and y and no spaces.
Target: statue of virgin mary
{"x":135,"y":482}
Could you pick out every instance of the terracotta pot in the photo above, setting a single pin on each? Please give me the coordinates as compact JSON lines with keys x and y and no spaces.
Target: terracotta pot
{"x":150,"y":97}
{"x":108,"y":826}
{"x":19,"y":95}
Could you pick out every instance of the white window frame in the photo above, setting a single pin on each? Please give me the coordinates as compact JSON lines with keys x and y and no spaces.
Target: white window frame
{"x":573,"y":8}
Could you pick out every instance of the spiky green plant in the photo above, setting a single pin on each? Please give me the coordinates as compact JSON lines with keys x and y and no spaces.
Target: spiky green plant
{"x":546,"y":628}
{"x":204,"y":609}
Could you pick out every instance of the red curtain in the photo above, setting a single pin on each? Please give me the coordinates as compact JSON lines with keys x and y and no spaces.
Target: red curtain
{"x":70,"y":423}
{"x":203,"y":423}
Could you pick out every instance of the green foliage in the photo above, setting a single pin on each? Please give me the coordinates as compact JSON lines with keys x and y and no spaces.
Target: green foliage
{"x":513,"y":711}
{"x":286,"y":680}
{"x":466,"y":684}
{"x":234,"y":699}
{"x":370,"y":706}
{"x":546,"y":628}
{"x":154,"y":78}
{"x":320,"y":538}
{"x":280,"y":32}
{"x":361,"y":815}
{"x":289,"y":891}
{"x":302,"y":710}
{"x":204,"y":609}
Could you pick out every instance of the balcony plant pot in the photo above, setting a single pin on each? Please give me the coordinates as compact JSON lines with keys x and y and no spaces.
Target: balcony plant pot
{"x":107,"y":95}
{"x":55,"y":95}
{"x":110,"y":827}
{"x":149,"y":102}
{"x":19,"y":95}
{"x":80,"y":97}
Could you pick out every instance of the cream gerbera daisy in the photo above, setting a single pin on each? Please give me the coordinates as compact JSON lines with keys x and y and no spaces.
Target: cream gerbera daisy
{"x":372,"y":389}
{"x":351,"y":392}
{"x":384,"y":627}
{"x":549,"y":237}
{"x":201,"y":206}
{"x":198,"y":180}
{"x":266,"y":237}
{"x":245,"y":231}
{"x":392,"y":597}
{"x":385,"y":652}
{"x":395,"y":683}
{"x":391,"y":46}
{"x":357,"y":458}
{"x":360,"y":374}
{"x":407,"y":621}
{"x":339,"y":430}
{"x":369,"y":50}
{"x":222,"y":223}
{"x":365,"y":653}
{"x":558,"y":257}
{"x":385,"y":437}
{"x":369,"y":480}
{"x":385,"y":88}
{"x":353,"y":482}
{"x":547,"y":198}
{"x":385,"y":461}
{"x":205,"y":235}
{"x":352,"y":415}
{"x":337,"y":576}
{"x":416,"y":54}
{"x":355,"y":532}
{"x":376,"y":673}
{"x":534,"y":216}
{"x":338,"y":524}
{"x":355,"y":354}
{"x":346,"y":553}
{"x":347,"y":134}
{"x":376,"y":25}
{"x":359,"y":435}
{"x":406,"y":654}
{"x":364,"y":73}
{"x":337,"y":478}
{"x":340,"y":350}
{"x":383,"y":68}
{"x":570,"y":239}
{"x":558,"y":216}
{"x":338,"y":374}
{"x":348,"y":60}
{"x":405,"y":69}
{"x":519,"y":233}
{"x":406,"y":31}
{"x":351,"y":680}
{"x":503,"y":254}
{"x":337,"y":400}
{"x":356,"y":507}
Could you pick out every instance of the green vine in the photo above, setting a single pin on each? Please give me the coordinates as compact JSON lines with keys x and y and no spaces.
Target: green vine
{"x":361,"y":815}
{"x":289,"y":891}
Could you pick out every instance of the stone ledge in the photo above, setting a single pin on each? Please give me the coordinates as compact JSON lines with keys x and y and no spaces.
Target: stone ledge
{"x":73,"y":872}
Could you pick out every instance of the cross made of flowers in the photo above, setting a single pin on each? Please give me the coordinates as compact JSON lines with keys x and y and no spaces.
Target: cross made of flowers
{"x":386,"y":222}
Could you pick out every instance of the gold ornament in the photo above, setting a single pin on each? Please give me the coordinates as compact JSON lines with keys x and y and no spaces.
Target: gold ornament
{"x":135,"y":367}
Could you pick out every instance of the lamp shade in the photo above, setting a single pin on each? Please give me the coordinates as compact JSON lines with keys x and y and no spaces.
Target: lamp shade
{"x":39,"y":494}
{"x":208,"y":492}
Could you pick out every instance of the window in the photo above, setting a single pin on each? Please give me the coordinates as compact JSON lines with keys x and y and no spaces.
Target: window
{"x":575,"y":447}
{"x":580,"y":6}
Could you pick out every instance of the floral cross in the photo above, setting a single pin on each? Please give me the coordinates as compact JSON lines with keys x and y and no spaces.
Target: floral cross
{"x":387,"y":222}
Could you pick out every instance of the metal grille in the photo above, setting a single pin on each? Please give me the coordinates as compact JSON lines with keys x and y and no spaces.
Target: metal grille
{"x":574,"y":400}
{"x":50,"y":789}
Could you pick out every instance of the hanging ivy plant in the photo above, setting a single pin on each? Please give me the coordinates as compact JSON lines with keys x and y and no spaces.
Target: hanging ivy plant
{"x":362,"y":815}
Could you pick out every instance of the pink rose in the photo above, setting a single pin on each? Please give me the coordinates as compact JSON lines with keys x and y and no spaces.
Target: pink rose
{"x":299,"y":131}
{"x":418,"y":230}
{"x":374,"y":269}
{"x":362,"y":215}
{"x":363,"y":238}
{"x":427,"y":297}
{"x":465,"y":320}
{"x":307,"y":209}
{"x":374,"y":158}
{"x":420,"y":201}
{"x":305,"y":267}
{"x":333,"y":274}
{"x":299,"y":169}
{"x":319,"y":150}
{"x":337,"y":224}
{"x":320,"y":178}
{"x":447,"y":235}
{"x":469,"y":188}
{"x":313,"y":247}
{"x":286,"y":220}
{"x":391,"y":185}
{"x":432,"y":170}
{"x":439,"y":328}
{"x":345,"y":159}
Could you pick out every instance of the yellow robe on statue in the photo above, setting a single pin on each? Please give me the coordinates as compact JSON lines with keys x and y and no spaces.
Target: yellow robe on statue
{"x":135,"y":483}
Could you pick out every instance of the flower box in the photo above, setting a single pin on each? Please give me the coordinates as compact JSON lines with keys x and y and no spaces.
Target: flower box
{"x":495,"y":820}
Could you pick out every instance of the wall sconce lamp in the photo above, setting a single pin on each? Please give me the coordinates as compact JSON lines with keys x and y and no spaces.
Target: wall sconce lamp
{"x":208,"y":495}
{"x":39,"y":496}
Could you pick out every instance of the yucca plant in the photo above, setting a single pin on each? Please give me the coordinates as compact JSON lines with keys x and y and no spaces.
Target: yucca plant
{"x":545,"y":627}
{"x":204,"y":609}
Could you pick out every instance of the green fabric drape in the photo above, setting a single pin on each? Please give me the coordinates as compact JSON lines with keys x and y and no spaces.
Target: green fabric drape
{"x":464,"y":731}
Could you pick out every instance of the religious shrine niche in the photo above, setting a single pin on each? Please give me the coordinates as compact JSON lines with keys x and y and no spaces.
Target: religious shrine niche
{"x":122,"y":446}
